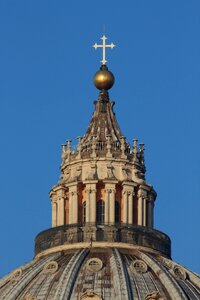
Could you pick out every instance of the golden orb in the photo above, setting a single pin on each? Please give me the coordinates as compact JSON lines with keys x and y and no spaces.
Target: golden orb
{"x":104,"y":79}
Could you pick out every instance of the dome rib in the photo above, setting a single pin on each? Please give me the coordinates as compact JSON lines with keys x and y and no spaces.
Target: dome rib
{"x":173,"y":289}
{"x":69,"y":274}
{"x":121,"y":275}
{"x":18,"y":286}
{"x":103,"y":123}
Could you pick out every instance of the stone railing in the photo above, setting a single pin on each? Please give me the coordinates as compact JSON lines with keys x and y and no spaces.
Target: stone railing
{"x":90,"y":232}
{"x":100,"y":149}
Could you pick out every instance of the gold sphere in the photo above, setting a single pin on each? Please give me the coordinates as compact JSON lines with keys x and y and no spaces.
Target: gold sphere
{"x":104,"y":79}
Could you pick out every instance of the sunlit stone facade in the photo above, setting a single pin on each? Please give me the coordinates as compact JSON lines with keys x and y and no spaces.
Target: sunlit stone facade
{"x":103,"y":172}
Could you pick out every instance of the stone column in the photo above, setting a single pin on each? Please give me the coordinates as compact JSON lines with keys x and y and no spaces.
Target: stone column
{"x":54,"y":207}
{"x":144,"y":213}
{"x":112,"y":206}
{"x":54,"y":213}
{"x":75,"y":207}
{"x":70,"y":206}
{"x":150,"y":208}
{"x":73,"y":204}
{"x":60,"y":195}
{"x":107,"y":204}
{"x":61,"y":211}
{"x":88,"y":204}
{"x":127,"y":202}
{"x":140,"y":206}
{"x":125,"y":207}
{"x":93,"y":204}
{"x":130,"y":207}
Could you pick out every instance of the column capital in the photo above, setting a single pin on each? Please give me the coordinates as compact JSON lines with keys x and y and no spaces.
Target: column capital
{"x":110,"y":190}
{"x":54,"y":201}
{"x":88,"y":190}
{"x":129,"y":192}
{"x":73,"y":193}
{"x":60,"y":198}
{"x":152,"y":195}
{"x":73,"y":188}
{"x":142,"y":193}
{"x":128,"y":188}
{"x":53,"y":196}
{"x":110,"y":184}
{"x":129,"y":184}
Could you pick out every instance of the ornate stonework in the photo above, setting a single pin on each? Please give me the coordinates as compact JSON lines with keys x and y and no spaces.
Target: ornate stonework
{"x":154,"y":296}
{"x":90,"y":295}
{"x":102,"y":244}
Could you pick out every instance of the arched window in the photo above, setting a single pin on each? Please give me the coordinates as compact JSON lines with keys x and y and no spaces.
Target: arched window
{"x":117,"y":212}
{"x":84,"y":212}
{"x":100,"y":211}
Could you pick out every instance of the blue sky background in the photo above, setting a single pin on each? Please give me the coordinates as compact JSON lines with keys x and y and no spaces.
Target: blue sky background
{"x":46,"y":96}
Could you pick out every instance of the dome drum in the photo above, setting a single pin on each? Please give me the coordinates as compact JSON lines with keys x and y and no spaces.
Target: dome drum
{"x":91,"y":233}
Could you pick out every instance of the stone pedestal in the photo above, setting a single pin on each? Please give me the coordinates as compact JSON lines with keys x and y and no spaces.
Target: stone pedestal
{"x":89,"y":233}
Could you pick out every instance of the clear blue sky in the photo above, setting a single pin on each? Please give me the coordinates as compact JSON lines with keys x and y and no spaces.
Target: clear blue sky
{"x":46,"y":96}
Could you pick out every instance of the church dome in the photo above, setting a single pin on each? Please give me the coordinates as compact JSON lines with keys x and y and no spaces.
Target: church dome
{"x":102,"y":244}
{"x":101,"y":273}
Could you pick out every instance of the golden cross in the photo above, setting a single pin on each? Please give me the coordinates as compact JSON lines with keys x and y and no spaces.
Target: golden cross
{"x":103,"y":46}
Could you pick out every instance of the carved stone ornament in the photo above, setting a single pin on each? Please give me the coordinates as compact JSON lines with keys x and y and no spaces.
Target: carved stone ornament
{"x":16,"y":275}
{"x":28,"y":297}
{"x":179,"y":273}
{"x":139,"y":266}
{"x":110,"y":174}
{"x":90,"y":295}
{"x":67,"y":174}
{"x":154,"y":296}
{"x":94,"y":264}
{"x":51,"y":267}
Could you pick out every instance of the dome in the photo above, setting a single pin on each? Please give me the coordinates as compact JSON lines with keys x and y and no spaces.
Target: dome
{"x":102,"y":244}
{"x":100,"y":273}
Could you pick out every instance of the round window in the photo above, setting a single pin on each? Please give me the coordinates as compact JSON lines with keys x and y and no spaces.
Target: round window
{"x":140,"y":266}
{"x":16,"y":274}
{"x":51,"y":267}
{"x":180,"y":273}
{"x":94,"y":264}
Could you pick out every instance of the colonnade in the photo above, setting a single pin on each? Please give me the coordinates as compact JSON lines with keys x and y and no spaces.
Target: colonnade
{"x":130,"y":194}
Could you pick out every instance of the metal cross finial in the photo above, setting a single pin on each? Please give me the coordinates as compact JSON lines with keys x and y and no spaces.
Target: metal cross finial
{"x":103,"y":46}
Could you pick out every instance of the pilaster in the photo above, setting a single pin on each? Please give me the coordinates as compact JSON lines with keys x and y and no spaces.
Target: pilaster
{"x":130,"y":207}
{"x":110,"y":201}
{"x":125,"y":207}
{"x":61,"y":193}
{"x":91,"y":201}
{"x":107,"y":200}
{"x":142,"y":203}
{"x":88,"y":204}
{"x":58,"y":197}
{"x":54,"y":209}
{"x":112,"y":206}
{"x":150,"y":210}
{"x":127,"y":202}
{"x":73,"y":204}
